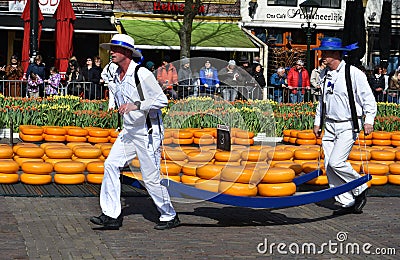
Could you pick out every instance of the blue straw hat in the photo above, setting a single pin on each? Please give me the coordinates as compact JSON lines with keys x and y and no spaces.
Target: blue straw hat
{"x":335,"y":44}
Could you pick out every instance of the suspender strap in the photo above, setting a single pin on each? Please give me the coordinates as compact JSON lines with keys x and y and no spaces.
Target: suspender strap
{"x":140,"y":91}
{"x":323,"y":107}
{"x":351,"y":99}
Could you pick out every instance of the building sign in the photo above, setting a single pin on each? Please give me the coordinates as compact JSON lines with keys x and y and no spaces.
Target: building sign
{"x":46,"y":6}
{"x":260,"y":13}
{"x":159,"y":7}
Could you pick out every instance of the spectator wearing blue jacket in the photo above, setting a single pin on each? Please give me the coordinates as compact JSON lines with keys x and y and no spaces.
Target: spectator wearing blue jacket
{"x":209,"y":79}
{"x":38,"y":68}
{"x":278,"y":81}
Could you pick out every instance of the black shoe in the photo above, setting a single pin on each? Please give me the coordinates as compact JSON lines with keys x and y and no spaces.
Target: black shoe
{"x":344,"y":211}
{"x":162,"y":225}
{"x":107,"y":222}
{"x":360,"y":202}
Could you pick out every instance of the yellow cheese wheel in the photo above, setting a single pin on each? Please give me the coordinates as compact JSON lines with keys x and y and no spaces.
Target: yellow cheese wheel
{"x":203,"y":141}
{"x":384,"y":142}
{"x":209,"y":171}
{"x":170,"y":168}
{"x":363,"y":142}
{"x":35,"y":179}
{"x":114,"y":133}
{"x":382,"y":162}
{"x":227,"y":156}
{"x":55,"y":138}
{"x":173,"y":155}
{"x":55,"y":130}
{"x":191,"y":167}
{"x":394,"y":179}
{"x":8,"y":166}
{"x":72,"y":138}
{"x":276,"y":189}
{"x":209,"y":185}
{"x":306,"y":154}
{"x":237,"y":174}
{"x":394,"y":168}
{"x":6,"y":152}
{"x":203,"y":134}
{"x":189,"y":180}
{"x":30,"y":152}
{"x":383,"y":155}
{"x":243,"y":141}
{"x":23,"y":144}
{"x":87,"y":160}
{"x":375,"y":168}
{"x":306,"y":141}
{"x":381,"y":135}
{"x":94,"y":139}
{"x":37,"y":167}
{"x":182,"y":134}
{"x":87,"y":152}
{"x":31,"y":129}
{"x":69,"y":167}
{"x":75,"y":144}
{"x":78,"y":178}
{"x":379,"y":179}
{"x":200,"y":156}
{"x":312,"y":166}
{"x":95,"y":167}
{"x":21,"y":160}
{"x":99,"y":132}
{"x":280,"y":155}
{"x":359,"y":155}
{"x":237,"y":189}
{"x":297,"y":168}
{"x":278,"y":175}
{"x":30,"y":138}
{"x":52,"y":145}
{"x":78,"y":132}
{"x":320,"y":180}
{"x":95,"y":178}
{"x":362,"y":136}
{"x":244,"y":134}
{"x":306,"y":134}
{"x":9,"y":178}
{"x":59,"y":152}
{"x":254,"y":155}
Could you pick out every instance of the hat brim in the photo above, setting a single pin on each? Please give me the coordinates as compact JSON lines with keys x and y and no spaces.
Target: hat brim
{"x":332,"y":49}
{"x":107,"y":46}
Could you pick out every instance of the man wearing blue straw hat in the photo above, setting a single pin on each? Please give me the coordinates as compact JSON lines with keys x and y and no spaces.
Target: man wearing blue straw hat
{"x":346,"y":103}
{"x":139,"y":99}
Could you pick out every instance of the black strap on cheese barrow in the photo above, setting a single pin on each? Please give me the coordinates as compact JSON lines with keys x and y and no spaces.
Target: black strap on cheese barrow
{"x":352,"y":101}
{"x":140,"y":91}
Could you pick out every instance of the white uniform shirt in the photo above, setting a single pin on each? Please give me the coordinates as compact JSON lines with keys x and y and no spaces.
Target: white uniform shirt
{"x":126,"y":92}
{"x":336,"y":97}
{"x":108,"y":76}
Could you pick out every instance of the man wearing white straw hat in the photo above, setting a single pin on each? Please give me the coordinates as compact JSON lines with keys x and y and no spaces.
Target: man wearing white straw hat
{"x":141,"y":136}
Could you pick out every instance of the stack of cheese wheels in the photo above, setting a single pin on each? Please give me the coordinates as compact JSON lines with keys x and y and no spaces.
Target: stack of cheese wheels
{"x":378,"y":171}
{"x":297,"y":168}
{"x":286,"y":135}
{"x":36,"y":173}
{"x":293,"y":136}
{"x":279,"y":154}
{"x":381,"y":138}
{"x":204,"y":137}
{"x":385,"y":156}
{"x":306,"y":154}
{"x":230,"y":158}
{"x":394,"y":169}
{"x":171,"y":170}
{"x":238,"y":181}
{"x":27,"y":152}
{"x":69,"y":172}
{"x":86,"y":153}
{"x":357,"y":157}
{"x":243,"y":137}
{"x":113,"y":135}
{"x":95,"y":172}
{"x":168,"y":136}
{"x":208,"y":177}
{"x":254,"y":156}
{"x":364,"y":139}
{"x":76,"y":134}
{"x":196,"y":158}
{"x":98,"y":135}
{"x":277,"y":182}
{"x":395,"y":137}
{"x":312,"y":166}
{"x":8,"y":170}
{"x":56,"y":152}
{"x":31,"y":133}
{"x":55,"y":133}
{"x":306,"y":137}
{"x":105,"y":150}
{"x":182,"y":137}
{"x":6,"y":152}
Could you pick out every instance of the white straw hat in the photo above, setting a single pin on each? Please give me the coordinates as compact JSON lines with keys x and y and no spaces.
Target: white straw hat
{"x":122,"y":40}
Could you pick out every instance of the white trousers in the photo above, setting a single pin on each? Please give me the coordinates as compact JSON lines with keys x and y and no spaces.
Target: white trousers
{"x":337,"y":143}
{"x":126,"y":147}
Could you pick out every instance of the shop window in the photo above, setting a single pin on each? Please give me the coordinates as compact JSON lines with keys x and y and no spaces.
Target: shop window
{"x":282,"y":2}
{"x":329,"y":3}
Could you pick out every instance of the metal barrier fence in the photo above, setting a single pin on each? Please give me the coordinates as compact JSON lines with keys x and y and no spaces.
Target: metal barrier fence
{"x":90,"y":90}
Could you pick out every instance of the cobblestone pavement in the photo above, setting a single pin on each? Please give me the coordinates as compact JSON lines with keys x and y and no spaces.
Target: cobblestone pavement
{"x":59,"y":228}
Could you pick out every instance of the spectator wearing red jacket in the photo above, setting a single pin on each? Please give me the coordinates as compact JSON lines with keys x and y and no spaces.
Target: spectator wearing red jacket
{"x":298,"y":81}
{"x":167,"y":77}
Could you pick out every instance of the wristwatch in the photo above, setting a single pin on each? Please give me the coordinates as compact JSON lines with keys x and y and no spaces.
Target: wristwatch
{"x":137,"y":103}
